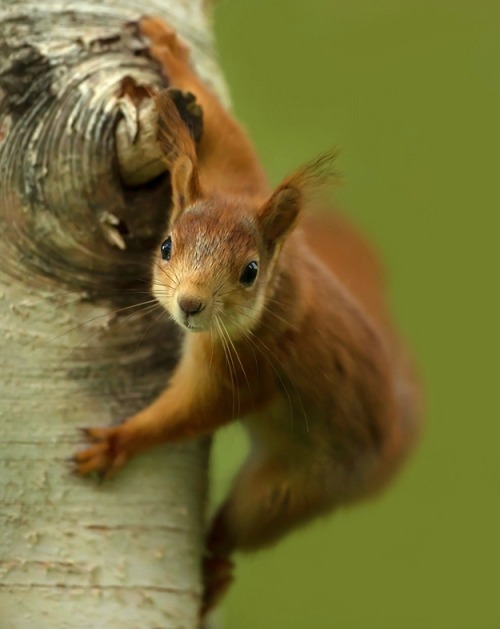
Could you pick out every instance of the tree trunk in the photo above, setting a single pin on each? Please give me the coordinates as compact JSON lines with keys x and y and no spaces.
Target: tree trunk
{"x":76,"y":349}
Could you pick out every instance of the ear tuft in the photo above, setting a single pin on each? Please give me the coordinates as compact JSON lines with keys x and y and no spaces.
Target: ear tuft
{"x":317,"y":174}
{"x":279,"y":215}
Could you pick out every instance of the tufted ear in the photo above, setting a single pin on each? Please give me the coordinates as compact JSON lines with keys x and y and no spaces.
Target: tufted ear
{"x":185,"y":186}
{"x":278,"y":216}
{"x":179,"y":152}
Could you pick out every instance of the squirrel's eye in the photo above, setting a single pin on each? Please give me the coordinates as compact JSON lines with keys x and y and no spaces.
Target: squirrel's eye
{"x":249,"y":273}
{"x":166,"y":248}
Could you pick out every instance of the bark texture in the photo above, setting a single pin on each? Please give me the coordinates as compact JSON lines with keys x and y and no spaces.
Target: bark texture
{"x":76,"y":350}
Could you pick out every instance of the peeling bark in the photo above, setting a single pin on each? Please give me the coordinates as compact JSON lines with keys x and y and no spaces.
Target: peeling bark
{"x":76,"y":348}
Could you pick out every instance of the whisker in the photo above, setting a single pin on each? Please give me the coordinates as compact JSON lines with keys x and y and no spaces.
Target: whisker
{"x":212,"y":343}
{"x":228,"y":292}
{"x":145,"y":311}
{"x":261,"y":322}
{"x":104,"y":314}
{"x":291,"y":382}
{"x":230,"y":340}
{"x":254,"y":339}
{"x":155,"y":320}
{"x":217,"y":288}
{"x":170,"y":273}
{"x":82,"y":295}
{"x":228,"y":360}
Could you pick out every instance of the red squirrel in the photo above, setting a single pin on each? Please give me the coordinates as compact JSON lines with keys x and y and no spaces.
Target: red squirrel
{"x":287,"y":329}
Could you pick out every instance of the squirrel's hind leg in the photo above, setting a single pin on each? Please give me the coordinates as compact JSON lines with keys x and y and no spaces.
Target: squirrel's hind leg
{"x":269,"y":497}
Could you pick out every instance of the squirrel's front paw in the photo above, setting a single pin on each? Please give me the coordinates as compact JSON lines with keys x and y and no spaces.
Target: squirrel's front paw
{"x":106,"y":455}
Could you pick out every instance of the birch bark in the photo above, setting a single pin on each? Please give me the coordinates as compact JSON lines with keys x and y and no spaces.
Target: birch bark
{"x":76,"y":350}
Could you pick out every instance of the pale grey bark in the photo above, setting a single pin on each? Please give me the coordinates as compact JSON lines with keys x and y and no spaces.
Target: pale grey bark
{"x":74,"y":349}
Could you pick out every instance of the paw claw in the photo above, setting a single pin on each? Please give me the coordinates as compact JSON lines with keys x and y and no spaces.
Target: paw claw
{"x":104,"y":456}
{"x":218,"y":576}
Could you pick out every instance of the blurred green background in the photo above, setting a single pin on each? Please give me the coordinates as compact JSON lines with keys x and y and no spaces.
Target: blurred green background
{"x":410,"y":92}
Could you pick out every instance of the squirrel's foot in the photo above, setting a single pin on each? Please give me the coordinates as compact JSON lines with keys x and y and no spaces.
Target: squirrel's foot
{"x":217,"y":577}
{"x":166,"y":47}
{"x":105,"y":456}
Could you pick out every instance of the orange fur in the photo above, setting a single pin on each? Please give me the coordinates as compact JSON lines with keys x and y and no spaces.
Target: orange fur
{"x":305,"y":352}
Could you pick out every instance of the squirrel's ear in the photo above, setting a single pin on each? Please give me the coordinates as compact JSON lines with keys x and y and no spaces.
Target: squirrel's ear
{"x":179,"y":152}
{"x":278,"y":216}
{"x":185,"y":185}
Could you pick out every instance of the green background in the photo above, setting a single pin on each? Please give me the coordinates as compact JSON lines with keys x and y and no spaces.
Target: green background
{"x":410,"y":92}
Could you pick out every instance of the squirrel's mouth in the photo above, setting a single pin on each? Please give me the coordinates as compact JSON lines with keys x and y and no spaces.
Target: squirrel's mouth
{"x":193,"y":326}
{"x":193,"y":322}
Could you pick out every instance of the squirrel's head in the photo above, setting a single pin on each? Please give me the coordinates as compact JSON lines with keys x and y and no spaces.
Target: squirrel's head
{"x":216,"y":262}
{"x":213,"y":267}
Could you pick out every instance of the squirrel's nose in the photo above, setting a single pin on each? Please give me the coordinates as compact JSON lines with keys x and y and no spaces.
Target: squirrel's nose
{"x":190,"y":305}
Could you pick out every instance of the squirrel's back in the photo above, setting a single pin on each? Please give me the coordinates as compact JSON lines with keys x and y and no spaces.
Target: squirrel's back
{"x":343,"y":249}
